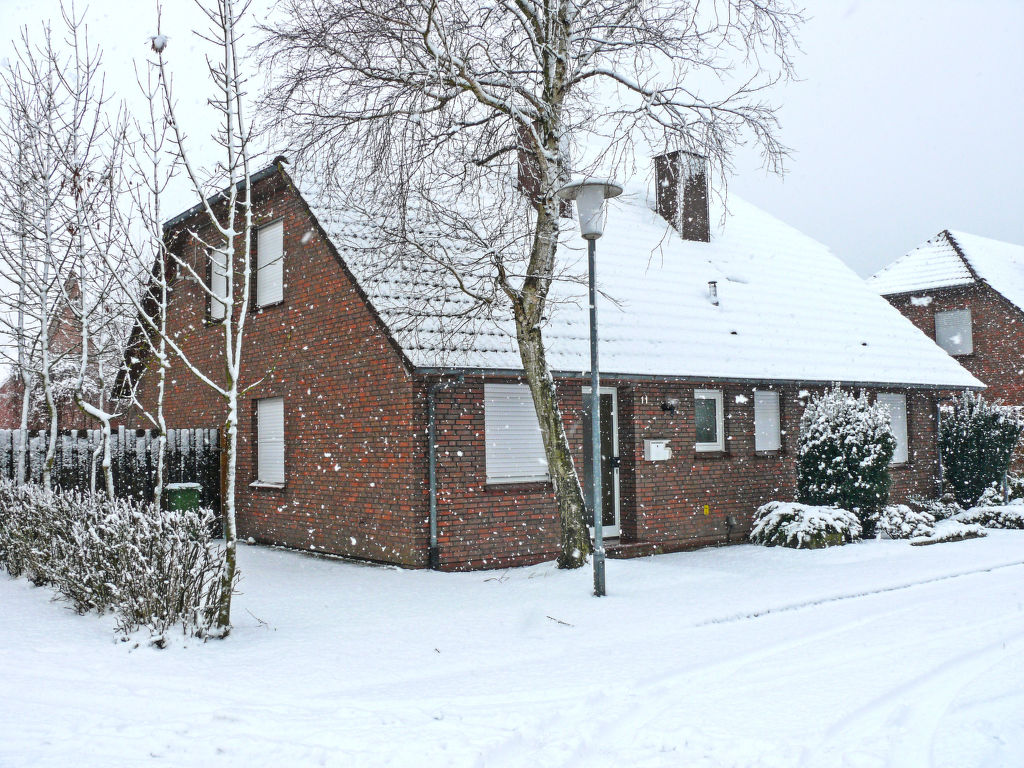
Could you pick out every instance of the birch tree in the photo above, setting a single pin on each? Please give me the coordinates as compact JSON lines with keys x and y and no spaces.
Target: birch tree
{"x":36,"y":97}
{"x":448,"y":127}
{"x":224,"y":276}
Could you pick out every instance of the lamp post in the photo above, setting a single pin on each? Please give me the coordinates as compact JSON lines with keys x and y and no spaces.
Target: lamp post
{"x":590,"y":195}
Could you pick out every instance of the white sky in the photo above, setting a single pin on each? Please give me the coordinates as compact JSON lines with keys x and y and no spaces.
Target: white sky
{"x":908,"y":118}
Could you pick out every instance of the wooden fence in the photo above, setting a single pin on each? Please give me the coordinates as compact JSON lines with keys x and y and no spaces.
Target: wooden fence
{"x":192,"y":456}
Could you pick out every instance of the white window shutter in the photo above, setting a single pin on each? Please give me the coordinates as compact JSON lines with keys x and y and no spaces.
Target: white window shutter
{"x":514,"y":450}
{"x":897,"y":405}
{"x":270,"y":440}
{"x":767,"y":422}
{"x":269,"y":263}
{"x":218,"y":284}
{"x":953,"y":331}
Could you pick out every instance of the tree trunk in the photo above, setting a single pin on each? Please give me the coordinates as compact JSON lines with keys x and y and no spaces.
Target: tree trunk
{"x":575,"y":537}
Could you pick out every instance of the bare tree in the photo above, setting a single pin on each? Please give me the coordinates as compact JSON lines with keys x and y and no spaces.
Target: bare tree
{"x":150,"y":167}
{"x":224,"y":276}
{"x":447,"y":126}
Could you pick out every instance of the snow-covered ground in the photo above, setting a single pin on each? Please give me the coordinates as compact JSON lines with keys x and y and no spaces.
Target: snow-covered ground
{"x":874,"y":654}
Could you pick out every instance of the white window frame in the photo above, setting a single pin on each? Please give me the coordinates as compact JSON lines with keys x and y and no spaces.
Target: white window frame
{"x":268,"y":445}
{"x":899,"y":430}
{"x":768,"y":435}
{"x":513,"y":447}
{"x":716,"y":395}
{"x":269,"y":276}
{"x":217,"y":308}
{"x":966,"y":345}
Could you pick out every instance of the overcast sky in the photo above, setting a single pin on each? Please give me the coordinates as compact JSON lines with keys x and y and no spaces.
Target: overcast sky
{"x":907,"y":120}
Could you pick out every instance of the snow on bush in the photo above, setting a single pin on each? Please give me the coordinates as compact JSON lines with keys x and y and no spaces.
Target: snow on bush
{"x":802,"y":526}
{"x":977,"y":439}
{"x":940,"y":509}
{"x":153,"y":568}
{"x":997,"y":516}
{"x":949,"y":530}
{"x":845,"y":448}
{"x":900,"y":521}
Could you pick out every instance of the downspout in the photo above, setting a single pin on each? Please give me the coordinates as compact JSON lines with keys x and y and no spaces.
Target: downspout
{"x":432,"y":390}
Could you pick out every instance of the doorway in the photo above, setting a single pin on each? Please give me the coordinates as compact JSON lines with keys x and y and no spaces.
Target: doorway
{"x":609,"y":460}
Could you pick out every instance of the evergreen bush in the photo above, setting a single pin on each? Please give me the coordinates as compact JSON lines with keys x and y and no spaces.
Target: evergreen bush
{"x":845,"y":447}
{"x":977,"y":439}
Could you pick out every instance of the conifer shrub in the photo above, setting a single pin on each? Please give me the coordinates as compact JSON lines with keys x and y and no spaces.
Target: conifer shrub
{"x":801,"y":526}
{"x":845,"y":447}
{"x":976,"y":439}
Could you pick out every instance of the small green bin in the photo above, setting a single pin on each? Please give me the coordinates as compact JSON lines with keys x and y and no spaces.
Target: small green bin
{"x":183,"y":495}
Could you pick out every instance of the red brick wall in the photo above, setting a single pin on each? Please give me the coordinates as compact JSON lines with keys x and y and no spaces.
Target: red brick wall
{"x":354,"y":460}
{"x":997,"y":328}
{"x":661,"y":503}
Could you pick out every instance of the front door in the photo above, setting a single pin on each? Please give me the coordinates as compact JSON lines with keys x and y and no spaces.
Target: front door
{"x":609,"y":461}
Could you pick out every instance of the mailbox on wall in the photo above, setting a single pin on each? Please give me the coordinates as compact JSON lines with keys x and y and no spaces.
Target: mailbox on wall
{"x":657,"y":450}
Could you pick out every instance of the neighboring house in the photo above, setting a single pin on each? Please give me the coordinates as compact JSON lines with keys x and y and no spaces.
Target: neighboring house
{"x":708,"y":354}
{"x":967,"y":293}
{"x":65,"y":354}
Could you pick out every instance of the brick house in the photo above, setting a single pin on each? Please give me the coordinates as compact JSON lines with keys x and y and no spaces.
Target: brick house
{"x":713,"y":341}
{"x":967,"y":293}
{"x":65,"y":351}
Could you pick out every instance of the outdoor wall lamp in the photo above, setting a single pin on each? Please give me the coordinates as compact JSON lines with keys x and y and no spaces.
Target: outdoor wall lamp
{"x":670,"y":405}
{"x":590,"y":195}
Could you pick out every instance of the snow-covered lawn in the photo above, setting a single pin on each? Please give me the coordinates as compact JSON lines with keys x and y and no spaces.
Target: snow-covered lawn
{"x":876,"y":653}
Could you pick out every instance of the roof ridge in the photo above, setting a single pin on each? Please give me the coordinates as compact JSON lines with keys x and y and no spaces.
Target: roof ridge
{"x":951,"y":239}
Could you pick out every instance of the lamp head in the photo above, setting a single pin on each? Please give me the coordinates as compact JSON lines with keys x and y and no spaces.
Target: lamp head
{"x":590,"y":195}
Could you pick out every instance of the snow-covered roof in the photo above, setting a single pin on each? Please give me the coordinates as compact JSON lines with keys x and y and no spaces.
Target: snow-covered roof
{"x":956,"y":258}
{"x":788,"y":309}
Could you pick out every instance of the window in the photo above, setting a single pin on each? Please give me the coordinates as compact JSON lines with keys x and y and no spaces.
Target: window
{"x":269,"y":263}
{"x":514,"y":450}
{"x":953,"y":331}
{"x":218,"y":284}
{"x":707,"y":416}
{"x":270,"y":441}
{"x":897,"y":405}
{"x":767,"y":423}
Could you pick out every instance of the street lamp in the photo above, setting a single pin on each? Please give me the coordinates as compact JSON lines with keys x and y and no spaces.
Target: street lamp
{"x":590,"y":195}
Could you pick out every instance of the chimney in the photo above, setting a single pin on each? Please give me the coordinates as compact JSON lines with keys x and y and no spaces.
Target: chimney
{"x":681,"y":189}
{"x":528,"y":176}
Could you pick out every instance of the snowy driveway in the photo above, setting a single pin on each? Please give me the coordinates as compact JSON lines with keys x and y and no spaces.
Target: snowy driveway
{"x":876,"y":654}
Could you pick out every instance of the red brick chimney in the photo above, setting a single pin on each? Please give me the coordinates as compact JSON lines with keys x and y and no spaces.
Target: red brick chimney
{"x":681,"y":188}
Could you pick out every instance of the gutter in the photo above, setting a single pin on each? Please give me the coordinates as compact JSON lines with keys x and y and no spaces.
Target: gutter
{"x":432,"y":390}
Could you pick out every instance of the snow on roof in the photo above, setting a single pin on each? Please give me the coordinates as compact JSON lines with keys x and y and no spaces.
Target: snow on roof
{"x":955,"y":258}
{"x":999,"y":264}
{"x":933,"y":264}
{"x":789,"y":310}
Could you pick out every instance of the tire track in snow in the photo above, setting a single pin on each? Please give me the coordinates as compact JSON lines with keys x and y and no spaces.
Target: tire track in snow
{"x":849,"y":596}
{"x":915,"y":708}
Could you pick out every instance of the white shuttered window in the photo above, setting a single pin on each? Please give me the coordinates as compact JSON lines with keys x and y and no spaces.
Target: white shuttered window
{"x":218,"y":284}
{"x":767,"y":423}
{"x":270,"y":440}
{"x":953,"y":331}
{"x":897,"y":405}
{"x":269,"y":261}
{"x":514,"y":449}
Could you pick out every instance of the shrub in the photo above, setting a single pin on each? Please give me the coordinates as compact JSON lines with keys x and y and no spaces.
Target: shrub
{"x":154,"y":568}
{"x":845,"y":448}
{"x":940,"y":509}
{"x":801,"y":526}
{"x":999,"y":516}
{"x":901,"y":521}
{"x":949,"y":530}
{"x":976,"y":439}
